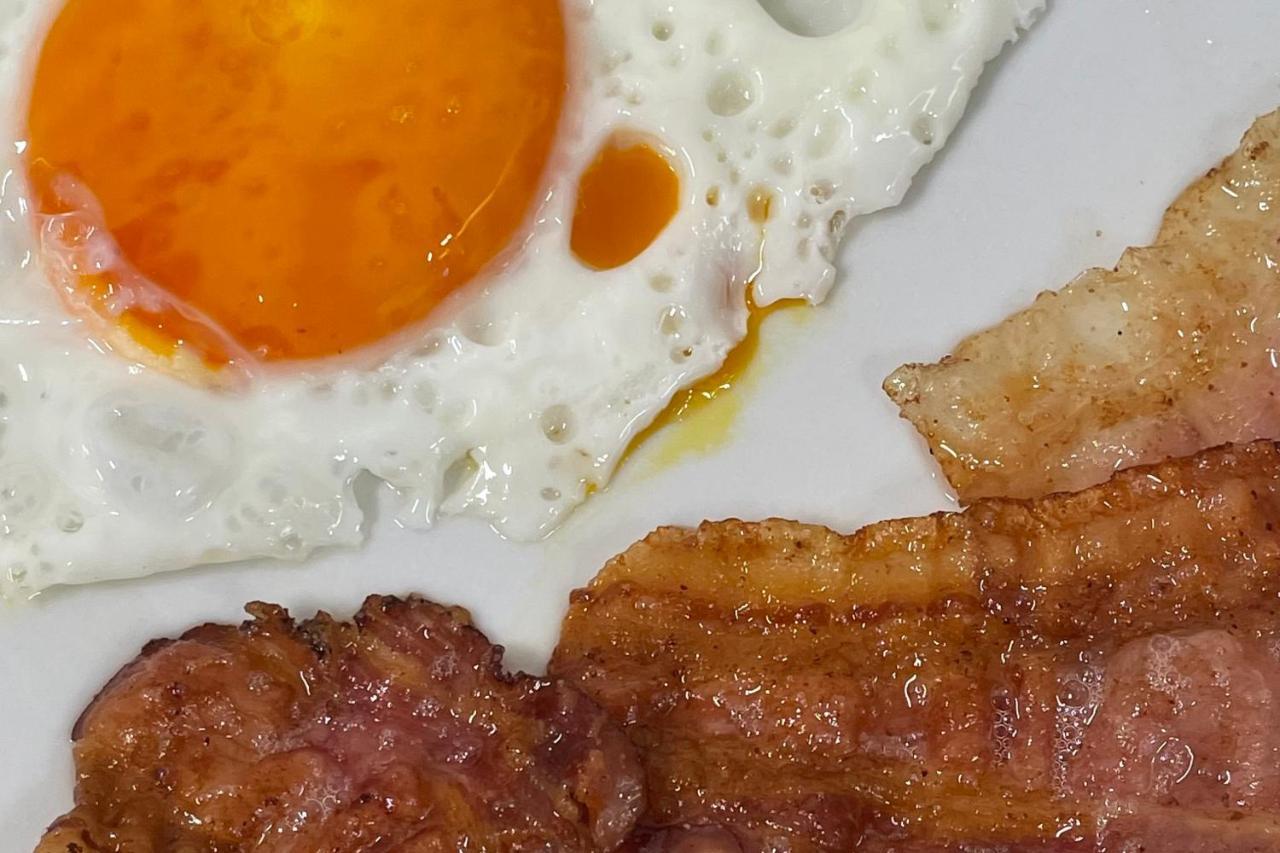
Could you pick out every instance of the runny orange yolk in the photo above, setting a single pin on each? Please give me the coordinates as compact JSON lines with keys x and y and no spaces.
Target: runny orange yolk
{"x":626,"y":197}
{"x":287,"y":179}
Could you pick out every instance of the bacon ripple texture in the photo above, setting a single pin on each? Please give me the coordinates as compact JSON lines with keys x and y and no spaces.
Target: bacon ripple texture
{"x":1172,"y":352}
{"x":398,"y":731}
{"x":1089,"y":672}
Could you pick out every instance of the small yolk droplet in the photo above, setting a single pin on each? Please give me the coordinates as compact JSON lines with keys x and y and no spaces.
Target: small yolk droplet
{"x":286,"y":179}
{"x":626,"y":197}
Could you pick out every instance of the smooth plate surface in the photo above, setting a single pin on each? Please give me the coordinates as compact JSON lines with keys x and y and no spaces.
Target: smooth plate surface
{"x":1074,"y":145}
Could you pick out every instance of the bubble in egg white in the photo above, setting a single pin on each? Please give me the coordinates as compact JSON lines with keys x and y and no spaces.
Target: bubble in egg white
{"x":70,"y":521}
{"x":557,"y":424}
{"x":731,"y":92}
{"x":24,"y":494}
{"x":784,"y":124}
{"x":814,"y":18}
{"x":158,"y":459}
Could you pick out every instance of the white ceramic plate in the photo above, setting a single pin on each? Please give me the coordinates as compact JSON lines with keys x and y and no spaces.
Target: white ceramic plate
{"x":1077,"y":140}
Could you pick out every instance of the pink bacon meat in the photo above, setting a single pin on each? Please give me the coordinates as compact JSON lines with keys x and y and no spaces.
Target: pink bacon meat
{"x":1092,"y":672}
{"x":396,"y":731}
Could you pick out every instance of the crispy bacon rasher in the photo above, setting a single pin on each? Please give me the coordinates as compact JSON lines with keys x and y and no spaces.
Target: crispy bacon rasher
{"x":1089,"y":672}
{"x":397,"y":731}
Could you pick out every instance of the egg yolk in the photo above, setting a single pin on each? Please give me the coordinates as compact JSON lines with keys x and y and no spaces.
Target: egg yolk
{"x":286,"y":179}
{"x":626,"y":197}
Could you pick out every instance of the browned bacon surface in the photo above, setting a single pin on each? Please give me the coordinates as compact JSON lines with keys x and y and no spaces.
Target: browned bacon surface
{"x":1094,"y":672}
{"x":395,"y":732}
{"x":1172,"y":352}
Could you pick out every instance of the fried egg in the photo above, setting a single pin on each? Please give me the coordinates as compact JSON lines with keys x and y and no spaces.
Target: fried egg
{"x":251,"y":249}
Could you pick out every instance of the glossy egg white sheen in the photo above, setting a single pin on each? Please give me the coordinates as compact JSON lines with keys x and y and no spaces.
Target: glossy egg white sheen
{"x":530,"y":385}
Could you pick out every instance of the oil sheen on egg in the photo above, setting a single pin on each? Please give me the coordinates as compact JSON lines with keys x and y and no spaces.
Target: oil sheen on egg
{"x":252,"y":249}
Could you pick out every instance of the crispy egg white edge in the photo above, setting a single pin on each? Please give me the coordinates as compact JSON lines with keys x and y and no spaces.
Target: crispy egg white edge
{"x":111,"y":469}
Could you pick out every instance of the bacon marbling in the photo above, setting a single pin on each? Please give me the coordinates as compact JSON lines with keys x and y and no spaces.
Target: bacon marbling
{"x":397,"y":731}
{"x":1090,"y":672}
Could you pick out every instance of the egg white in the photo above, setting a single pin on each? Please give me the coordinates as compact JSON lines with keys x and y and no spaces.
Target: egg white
{"x":530,"y":385}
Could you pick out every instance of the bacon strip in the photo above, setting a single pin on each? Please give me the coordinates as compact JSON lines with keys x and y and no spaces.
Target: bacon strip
{"x":397,"y":731}
{"x":1097,"y":671}
{"x":1173,"y":351}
